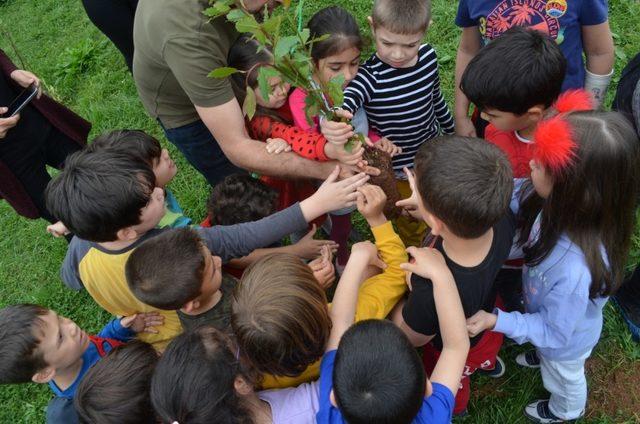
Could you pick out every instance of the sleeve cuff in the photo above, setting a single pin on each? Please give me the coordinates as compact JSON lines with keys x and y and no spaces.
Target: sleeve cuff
{"x":505,"y":323}
{"x":383,"y":232}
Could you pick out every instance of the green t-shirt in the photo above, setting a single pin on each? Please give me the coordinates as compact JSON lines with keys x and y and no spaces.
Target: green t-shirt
{"x":175,"y":47}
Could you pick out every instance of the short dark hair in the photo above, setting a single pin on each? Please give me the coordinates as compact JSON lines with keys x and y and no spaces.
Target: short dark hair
{"x":241,"y":198}
{"x":384,"y":384}
{"x":98,"y":194}
{"x":402,"y":16}
{"x":116,"y":389}
{"x":194,"y":380}
{"x":465,"y":182}
{"x":167,"y":278}
{"x":520,"y":69}
{"x":342,"y":30}
{"x":20,"y":358}
{"x":136,"y":143}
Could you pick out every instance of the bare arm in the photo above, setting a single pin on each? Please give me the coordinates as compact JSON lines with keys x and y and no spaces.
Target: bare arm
{"x":416,"y":339}
{"x":467,"y":49}
{"x":227,"y":125}
{"x":598,"y":48}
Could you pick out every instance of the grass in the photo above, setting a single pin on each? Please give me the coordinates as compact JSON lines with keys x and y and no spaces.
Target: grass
{"x":82,"y":69}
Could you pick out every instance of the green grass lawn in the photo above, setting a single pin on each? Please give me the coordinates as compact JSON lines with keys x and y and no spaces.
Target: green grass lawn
{"x":82,"y":69}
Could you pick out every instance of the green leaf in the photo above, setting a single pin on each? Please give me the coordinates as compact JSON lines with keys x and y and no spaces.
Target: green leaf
{"x":236,"y":14}
{"x":272,"y":25}
{"x":248,"y":24}
{"x":336,"y":93}
{"x":304,"y":35}
{"x":219,"y":8}
{"x":311,"y":108}
{"x":264,"y":73}
{"x":284,"y":46}
{"x":223,"y":72}
{"x":249,"y":105}
{"x":212,"y":13}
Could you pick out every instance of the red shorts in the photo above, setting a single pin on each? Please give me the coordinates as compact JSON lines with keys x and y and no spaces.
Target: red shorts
{"x":481,"y":356}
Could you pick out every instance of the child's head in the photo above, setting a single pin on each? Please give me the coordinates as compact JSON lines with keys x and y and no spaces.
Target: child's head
{"x":37,"y":343}
{"x":515,"y":78}
{"x":184,"y":276}
{"x":464,"y":185}
{"x":241,"y":198}
{"x":141,"y":145}
{"x":377,"y":375}
{"x":116,"y":389}
{"x":339,"y":54}
{"x":585,"y":167}
{"x":197,"y":380}
{"x":280,"y":316}
{"x":106,"y":196}
{"x":245,"y":56}
{"x":398,"y":27}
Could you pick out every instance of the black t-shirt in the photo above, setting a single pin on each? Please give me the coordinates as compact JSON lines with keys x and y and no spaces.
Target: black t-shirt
{"x":475,"y":285}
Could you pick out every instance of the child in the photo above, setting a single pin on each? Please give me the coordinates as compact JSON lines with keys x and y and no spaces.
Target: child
{"x":110,"y":202}
{"x":465,"y":202}
{"x":576,"y":26}
{"x":339,"y":54}
{"x":386,"y":384}
{"x":116,"y":389}
{"x":577,"y":232}
{"x":399,"y":88}
{"x":242,"y":198}
{"x":514,"y":101}
{"x":41,"y":346}
{"x":141,"y":145}
{"x":280,"y":316}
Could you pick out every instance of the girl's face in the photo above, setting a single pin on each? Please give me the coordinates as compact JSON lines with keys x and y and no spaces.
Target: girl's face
{"x":345,"y":63}
{"x":541,"y":179}
{"x":279,"y":94}
{"x":164,"y":169}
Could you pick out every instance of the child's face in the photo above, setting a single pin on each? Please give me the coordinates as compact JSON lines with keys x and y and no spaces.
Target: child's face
{"x":345,"y":63}
{"x":541,"y":179}
{"x":506,"y":121}
{"x":278,"y":96}
{"x":62,"y":342}
{"x":397,"y":50}
{"x":211,"y":276}
{"x":164,"y":169}
{"x":152,"y":213}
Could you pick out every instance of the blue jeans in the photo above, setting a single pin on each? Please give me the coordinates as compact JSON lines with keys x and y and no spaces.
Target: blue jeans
{"x":202,"y":151}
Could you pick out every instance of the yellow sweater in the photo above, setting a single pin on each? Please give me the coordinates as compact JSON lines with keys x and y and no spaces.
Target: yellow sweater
{"x":376,"y":298}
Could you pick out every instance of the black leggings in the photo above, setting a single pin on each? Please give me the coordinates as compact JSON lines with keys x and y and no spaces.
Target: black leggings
{"x":115,"y":19}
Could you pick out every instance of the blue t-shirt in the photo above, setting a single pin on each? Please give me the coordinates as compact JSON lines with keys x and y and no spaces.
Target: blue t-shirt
{"x":560,"y":19}
{"x":437,"y":408}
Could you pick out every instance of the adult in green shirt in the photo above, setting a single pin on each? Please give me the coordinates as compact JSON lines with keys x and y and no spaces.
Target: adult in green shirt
{"x":176,"y":46}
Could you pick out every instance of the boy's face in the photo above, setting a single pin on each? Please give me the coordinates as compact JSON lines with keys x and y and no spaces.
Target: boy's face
{"x":507,"y":121}
{"x":62,"y":342}
{"x":277,"y":98}
{"x":211,"y":276}
{"x":164,"y":169}
{"x":152,"y":213}
{"x":345,"y":63}
{"x":396,"y":50}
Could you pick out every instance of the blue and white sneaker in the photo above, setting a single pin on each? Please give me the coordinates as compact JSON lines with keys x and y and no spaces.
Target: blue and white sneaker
{"x":497,"y":371}
{"x":528,"y":359}
{"x":539,"y":412}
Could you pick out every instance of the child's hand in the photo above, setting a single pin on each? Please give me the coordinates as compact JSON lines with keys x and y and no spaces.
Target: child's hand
{"x":277,"y":145}
{"x":337,"y":132}
{"x":481,"y":321}
{"x":371,"y":201}
{"x":333,"y":195}
{"x":410,"y":205}
{"x":387,"y":146}
{"x":465,"y":127}
{"x":427,"y":263}
{"x":58,"y":229}
{"x":323,"y":269}
{"x":309,"y":248}
{"x":338,"y":152}
{"x":368,"y":252}
{"x":143,"y":322}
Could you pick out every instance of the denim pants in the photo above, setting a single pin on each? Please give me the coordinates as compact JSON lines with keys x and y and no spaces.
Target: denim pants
{"x":566,"y":382}
{"x":202,"y":151}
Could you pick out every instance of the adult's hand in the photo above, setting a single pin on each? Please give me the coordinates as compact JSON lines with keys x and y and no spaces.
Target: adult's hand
{"x":7,"y":123}
{"x":25,"y":79}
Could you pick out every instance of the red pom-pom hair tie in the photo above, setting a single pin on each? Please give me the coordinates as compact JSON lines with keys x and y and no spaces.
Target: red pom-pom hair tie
{"x":554,"y":147}
{"x":574,"y":100}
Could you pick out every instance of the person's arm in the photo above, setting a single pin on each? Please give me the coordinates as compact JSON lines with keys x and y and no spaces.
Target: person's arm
{"x":115,"y":330}
{"x":70,"y":269}
{"x":429,"y":263}
{"x":307,"y":144}
{"x":7,"y":123}
{"x":599,"y":52}
{"x":441,"y":109}
{"x":343,"y":308}
{"x":359,"y":91}
{"x":469,"y":46}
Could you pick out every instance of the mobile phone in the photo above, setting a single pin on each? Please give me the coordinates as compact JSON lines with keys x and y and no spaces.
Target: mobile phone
{"x":21,"y":101}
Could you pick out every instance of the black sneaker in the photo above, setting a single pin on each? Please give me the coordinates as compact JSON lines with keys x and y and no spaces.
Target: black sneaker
{"x":528,"y":359}
{"x":539,"y":412}
{"x":497,"y":371}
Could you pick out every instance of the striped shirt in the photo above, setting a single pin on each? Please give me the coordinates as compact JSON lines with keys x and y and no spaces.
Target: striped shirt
{"x":403,"y":104}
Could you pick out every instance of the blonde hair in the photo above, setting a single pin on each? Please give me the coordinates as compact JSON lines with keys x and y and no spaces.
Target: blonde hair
{"x":405,"y":17}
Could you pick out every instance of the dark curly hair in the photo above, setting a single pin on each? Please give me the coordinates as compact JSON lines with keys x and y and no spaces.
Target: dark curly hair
{"x":240,"y":198}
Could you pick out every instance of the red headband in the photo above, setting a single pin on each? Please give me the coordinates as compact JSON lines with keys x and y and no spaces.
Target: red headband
{"x":554,"y":146}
